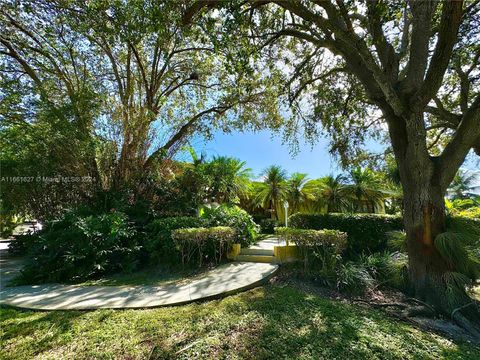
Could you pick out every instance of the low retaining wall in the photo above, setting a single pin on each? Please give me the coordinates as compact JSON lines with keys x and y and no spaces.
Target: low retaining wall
{"x":285,"y":254}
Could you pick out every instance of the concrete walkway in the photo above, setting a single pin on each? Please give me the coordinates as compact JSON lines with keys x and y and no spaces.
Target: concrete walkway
{"x":268,"y":243}
{"x":224,"y":280}
{"x":9,"y":267}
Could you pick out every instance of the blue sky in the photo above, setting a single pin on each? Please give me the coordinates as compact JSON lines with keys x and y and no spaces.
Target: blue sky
{"x":262,"y":149}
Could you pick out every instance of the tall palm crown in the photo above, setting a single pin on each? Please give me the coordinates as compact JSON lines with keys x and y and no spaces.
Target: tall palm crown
{"x":229,"y":179}
{"x":330,"y":191}
{"x":273,"y":189}
{"x":462,"y":184}
{"x":365,"y":186}
{"x":296,"y":192}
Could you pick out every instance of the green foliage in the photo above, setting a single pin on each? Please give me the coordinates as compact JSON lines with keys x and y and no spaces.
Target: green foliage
{"x":245,"y":227}
{"x":228,"y":179}
{"x":22,"y":244}
{"x":320,"y":249}
{"x":385,"y":268}
{"x":371,"y":271}
{"x":205,"y":244}
{"x":454,"y":293}
{"x":296,"y":192}
{"x":8,"y":222}
{"x":267,"y":226}
{"x":278,"y":321}
{"x":470,"y":233}
{"x":82,"y":247}
{"x":460,"y":247}
{"x":462,"y":185}
{"x":452,"y":247}
{"x":273,"y":190}
{"x":161,"y":248}
{"x":366,"y":189}
{"x":159,"y":244}
{"x":366,"y":232}
{"x":354,"y":278}
{"x":330,"y":191}
{"x":397,"y":241}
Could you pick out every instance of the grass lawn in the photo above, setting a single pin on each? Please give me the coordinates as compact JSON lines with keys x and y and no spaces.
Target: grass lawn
{"x":269,"y":322}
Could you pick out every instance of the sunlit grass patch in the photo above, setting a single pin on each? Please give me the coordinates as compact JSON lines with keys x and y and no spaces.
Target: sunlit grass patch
{"x":268,"y":322}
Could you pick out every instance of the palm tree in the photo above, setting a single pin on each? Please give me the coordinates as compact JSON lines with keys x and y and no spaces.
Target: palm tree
{"x":296,"y":193}
{"x":462,"y":185}
{"x":330,"y":191}
{"x":366,"y":187}
{"x":229,"y":179}
{"x":273,"y":189}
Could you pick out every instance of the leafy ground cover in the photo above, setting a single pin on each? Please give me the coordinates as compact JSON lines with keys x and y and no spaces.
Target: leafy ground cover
{"x":275,"y":321}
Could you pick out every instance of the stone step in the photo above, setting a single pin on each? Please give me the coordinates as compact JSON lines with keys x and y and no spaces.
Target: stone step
{"x":254,"y":251}
{"x":256,"y":258}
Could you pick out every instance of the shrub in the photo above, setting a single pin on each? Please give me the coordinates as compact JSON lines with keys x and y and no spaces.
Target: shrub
{"x":246,"y":229}
{"x":452,"y":246}
{"x":267,"y":226}
{"x":209,"y":244}
{"x":366,"y":232}
{"x":320,"y":249}
{"x":397,"y":241}
{"x":76,"y":248}
{"x":354,"y":278}
{"x":469,"y":228}
{"x":8,"y":223}
{"x":159,"y":244}
{"x":371,"y":271}
{"x":22,"y":244}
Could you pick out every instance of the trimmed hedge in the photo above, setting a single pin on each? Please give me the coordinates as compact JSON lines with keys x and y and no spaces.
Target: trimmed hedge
{"x":205,"y":244}
{"x":320,"y":249}
{"x":160,"y":246}
{"x":366,"y":232}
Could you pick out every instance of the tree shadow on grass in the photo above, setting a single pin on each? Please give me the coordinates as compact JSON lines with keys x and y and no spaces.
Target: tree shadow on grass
{"x":300,"y":325}
{"x":44,"y":329}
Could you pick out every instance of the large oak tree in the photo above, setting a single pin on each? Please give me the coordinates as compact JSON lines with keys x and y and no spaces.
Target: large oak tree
{"x":416,"y":62}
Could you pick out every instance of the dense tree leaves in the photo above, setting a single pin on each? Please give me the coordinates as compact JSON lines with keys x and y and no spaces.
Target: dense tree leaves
{"x":412,"y":69}
{"x":119,"y":87}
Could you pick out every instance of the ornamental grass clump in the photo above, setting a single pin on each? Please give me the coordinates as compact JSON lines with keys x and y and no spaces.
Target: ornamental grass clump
{"x":199,"y":245}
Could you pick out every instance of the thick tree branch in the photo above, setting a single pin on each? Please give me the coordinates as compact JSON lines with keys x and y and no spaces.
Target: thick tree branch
{"x":388,"y":57}
{"x":422,"y":12}
{"x":466,"y":137}
{"x":447,"y":36}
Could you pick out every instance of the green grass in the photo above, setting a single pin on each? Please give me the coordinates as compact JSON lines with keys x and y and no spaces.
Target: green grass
{"x":272,"y":322}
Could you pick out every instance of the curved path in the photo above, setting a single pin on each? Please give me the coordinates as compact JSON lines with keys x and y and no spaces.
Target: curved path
{"x":224,"y":280}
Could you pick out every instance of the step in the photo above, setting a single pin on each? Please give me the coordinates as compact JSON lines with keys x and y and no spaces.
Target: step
{"x":253,"y":251}
{"x":256,"y":258}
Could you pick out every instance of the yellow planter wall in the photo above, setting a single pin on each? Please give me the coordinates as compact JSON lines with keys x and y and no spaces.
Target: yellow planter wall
{"x":234,"y":251}
{"x":286,"y":253}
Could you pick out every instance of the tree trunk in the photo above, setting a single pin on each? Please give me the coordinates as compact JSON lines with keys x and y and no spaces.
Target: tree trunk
{"x":423,"y":203}
{"x":424,"y":219}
